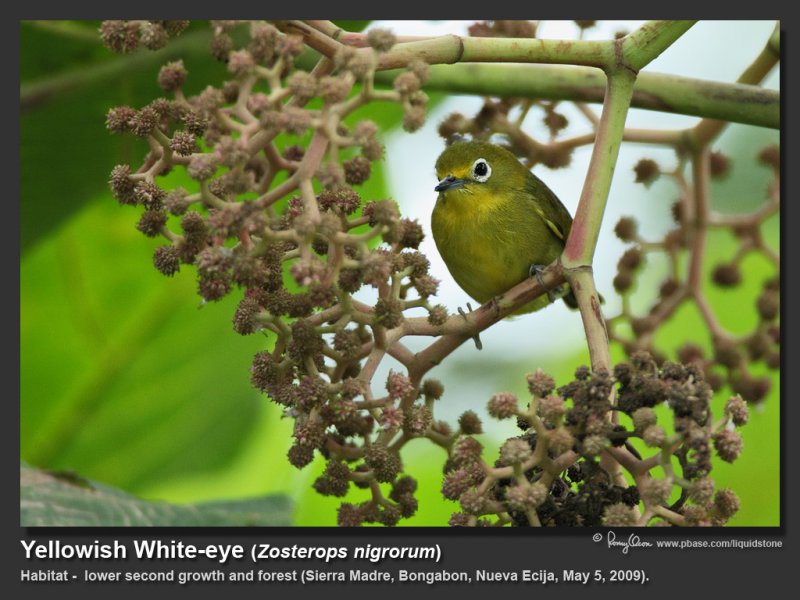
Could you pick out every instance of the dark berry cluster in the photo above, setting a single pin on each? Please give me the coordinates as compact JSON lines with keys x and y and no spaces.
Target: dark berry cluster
{"x":554,"y":474}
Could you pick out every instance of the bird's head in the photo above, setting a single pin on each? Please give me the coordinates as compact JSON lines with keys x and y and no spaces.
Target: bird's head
{"x":472,"y":166}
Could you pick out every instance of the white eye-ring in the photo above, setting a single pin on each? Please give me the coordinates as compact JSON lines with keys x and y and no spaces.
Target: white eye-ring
{"x":481,"y":170}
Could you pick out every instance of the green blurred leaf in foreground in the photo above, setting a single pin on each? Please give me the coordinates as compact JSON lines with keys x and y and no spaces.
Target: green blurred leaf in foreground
{"x":52,"y":499}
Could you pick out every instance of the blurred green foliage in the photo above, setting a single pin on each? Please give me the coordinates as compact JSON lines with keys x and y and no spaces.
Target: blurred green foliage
{"x":128,"y":380}
{"x":63,"y":499}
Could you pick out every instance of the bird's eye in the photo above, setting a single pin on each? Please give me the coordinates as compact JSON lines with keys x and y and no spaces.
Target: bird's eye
{"x":481,"y":170}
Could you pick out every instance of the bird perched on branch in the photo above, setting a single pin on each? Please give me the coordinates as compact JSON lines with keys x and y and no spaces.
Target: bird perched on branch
{"x":495,"y":223}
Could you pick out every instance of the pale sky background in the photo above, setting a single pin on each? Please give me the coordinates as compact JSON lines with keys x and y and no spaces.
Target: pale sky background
{"x":716,"y":50}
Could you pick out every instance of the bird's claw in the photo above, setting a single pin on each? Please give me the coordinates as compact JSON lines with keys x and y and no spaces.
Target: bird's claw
{"x":536,"y":272}
{"x":476,"y":338}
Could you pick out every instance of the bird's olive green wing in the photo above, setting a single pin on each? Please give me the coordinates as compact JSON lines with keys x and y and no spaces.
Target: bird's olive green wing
{"x":549,"y":207}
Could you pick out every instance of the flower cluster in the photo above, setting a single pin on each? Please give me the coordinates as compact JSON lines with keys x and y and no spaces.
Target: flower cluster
{"x":298,"y":250}
{"x":554,"y":475}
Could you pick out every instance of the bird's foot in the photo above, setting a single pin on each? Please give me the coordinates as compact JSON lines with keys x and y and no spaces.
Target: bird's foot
{"x":476,"y":338}
{"x":536,"y":272}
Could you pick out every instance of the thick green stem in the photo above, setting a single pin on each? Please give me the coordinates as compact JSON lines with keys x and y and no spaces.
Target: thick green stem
{"x":642,"y":46}
{"x":451,"y":49}
{"x":582,"y":241}
{"x":737,"y":103}
{"x":580,"y":247}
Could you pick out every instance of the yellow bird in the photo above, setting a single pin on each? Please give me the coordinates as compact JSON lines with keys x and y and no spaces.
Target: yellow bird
{"x":495,"y":223}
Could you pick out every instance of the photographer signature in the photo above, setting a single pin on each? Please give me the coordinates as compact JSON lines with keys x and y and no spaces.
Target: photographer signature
{"x":633,"y":541}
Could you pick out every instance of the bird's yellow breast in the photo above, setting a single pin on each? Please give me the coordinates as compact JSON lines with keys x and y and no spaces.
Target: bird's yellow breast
{"x":489,"y":241}
{"x":467,"y":228}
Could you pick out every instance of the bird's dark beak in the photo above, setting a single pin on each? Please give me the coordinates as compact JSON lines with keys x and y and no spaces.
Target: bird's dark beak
{"x":449,"y":183}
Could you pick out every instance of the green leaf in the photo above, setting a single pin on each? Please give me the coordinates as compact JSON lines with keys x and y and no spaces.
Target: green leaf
{"x":63,"y":499}
{"x":122,"y":377}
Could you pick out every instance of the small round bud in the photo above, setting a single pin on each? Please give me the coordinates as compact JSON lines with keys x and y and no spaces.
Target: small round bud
{"x":525,"y":497}
{"x":166,"y":260}
{"x":381,"y":40}
{"x":290,"y":46}
{"x":175,"y":26}
{"x":120,"y":36}
{"x":438,"y":315}
{"x":540,"y":384}
{"x":334,"y":89}
{"x":655,"y":492}
{"x":466,"y":450}
{"x":202,"y":167}
{"x":643,"y":418}
{"x":302,"y":85}
{"x":407,"y":83}
{"x":768,"y":305}
{"x":702,"y":489}
{"x":241,"y":62}
{"x":426,"y":286}
{"x":620,"y":515}
{"x":391,"y":418}
{"x":472,"y":502}
{"x":300,"y":456}
{"x":149,"y":195}
{"x":183,"y":143}
{"x":357,"y":170}
{"x":552,"y":408}
{"x":122,"y":184}
{"x":417,"y":420}
{"x":736,"y":408}
{"x":144,"y":121}
{"x":413,"y":118}
{"x":172,"y":76}
{"x":623,"y":281}
{"x":411,"y":235}
{"x":515,"y":451}
{"x":625,"y":229}
{"x":470,"y":423}
{"x":388,"y":313}
{"x":151,"y":222}
{"x":458,"y":519}
{"x":593,"y":445}
{"x":719,"y":165}
{"x":432,"y":389}
{"x":221,"y":46}
{"x":727,"y":275}
{"x":349,"y":515}
{"x":118,"y":119}
{"x":728,"y":445}
{"x":398,"y":385}
{"x":456,"y":483}
{"x":630,"y":260}
{"x":647,"y":171}
{"x":194,"y":122}
{"x":726,"y":502}
{"x":384,"y":463}
{"x":263,"y":39}
{"x":503,"y":405}
{"x":773,"y":360}
{"x":560,"y":440}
